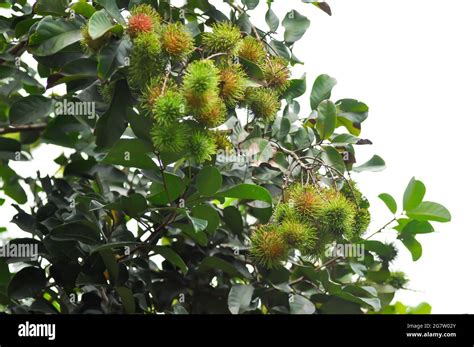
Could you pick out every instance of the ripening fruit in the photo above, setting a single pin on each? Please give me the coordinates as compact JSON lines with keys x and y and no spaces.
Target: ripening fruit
{"x":224,"y":38}
{"x":200,"y":83}
{"x":263,"y":102}
{"x":353,"y":194}
{"x":212,"y":113}
{"x":335,"y":215}
{"x":390,"y":254}
{"x":268,"y":246}
{"x":222,"y":140}
{"x":169,"y":108}
{"x":201,"y":146}
{"x":233,"y":84}
{"x":252,"y":50}
{"x":91,"y":45}
{"x":145,"y":60}
{"x":155,"y":88}
{"x":298,"y":234}
{"x":177,"y":40}
{"x":276,"y":74}
{"x":170,"y":138}
{"x":143,"y":19}
{"x":397,"y":280}
{"x":305,"y":199}
{"x":361,"y":222}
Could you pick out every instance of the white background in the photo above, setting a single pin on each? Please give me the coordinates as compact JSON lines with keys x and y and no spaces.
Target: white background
{"x":412,"y":63}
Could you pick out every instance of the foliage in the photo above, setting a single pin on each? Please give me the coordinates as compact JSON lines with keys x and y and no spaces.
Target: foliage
{"x":195,"y":186}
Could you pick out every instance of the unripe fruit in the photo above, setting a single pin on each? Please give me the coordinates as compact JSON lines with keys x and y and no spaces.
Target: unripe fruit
{"x":224,"y":38}
{"x":276,"y":74}
{"x":145,"y":60}
{"x":298,"y":234}
{"x":170,"y":138}
{"x":263,"y":102}
{"x":212,"y":113}
{"x":251,"y":49}
{"x":233,"y":84}
{"x":169,"y":108}
{"x":201,"y":146}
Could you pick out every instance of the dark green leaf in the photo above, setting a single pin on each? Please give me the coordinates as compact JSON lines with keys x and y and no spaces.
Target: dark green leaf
{"x":240,"y":297}
{"x":208,"y":180}
{"x":99,"y":24}
{"x":29,"y":109}
{"x":322,"y":88}
{"x":172,"y":257}
{"x":326,"y":121}
{"x":83,"y":231}
{"x":27,"y":283}
{"x":247,"y":192}
{"x":376,"y":163}
{"x":295,"y":26}
{"x":131,"y":153}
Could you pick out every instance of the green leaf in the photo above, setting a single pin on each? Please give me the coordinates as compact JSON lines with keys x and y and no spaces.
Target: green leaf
{"x":29,"y":109}
{"x":280,"y":49}
{"x":251,"y":4}
{"x":414,"y":194}
{"x":300,"y":305}
{"x":111,"y":264}
{"x":412,"y":245}
{"x":417,"y":227}
{"x":376,"y":163}
{"x":333,"y":158}
{"x":209,"y":214}
{"x":53,"y":7}
{"x":247,"y":192}
{"x":112,"y":124}
{"x":233,"y":219}
{"x":27,"y":283}
{"x":172,"y":257}
{"x":322,"y":5}
{"x":112,"y":9}
{"x":295,"y":26}
{"x":163,"y":194}
{"x":422,"y":308}
{"x":131,"y":153}
{"x":389,"y":202}
{"x":257,"y":149}
{"x":240,"y":297}
{"x":326,"y":121}
{"x":253,"y":70}
{"x":216,"y":263}
{"x":322,"y":89}
{"x":128,"y":300}
{"x":197,"y":223}
{"x":83,"y":8}
{"x":432,"y":211}
{"x":272,"y":20}
{"x":112,"y":57}
{"x":99,"y":24}
{"x":54,"y":34}
{"x":208,"y":180}
{"x":83,"y":231}
{"x":296,"y":88}
{"x":134,"y":205}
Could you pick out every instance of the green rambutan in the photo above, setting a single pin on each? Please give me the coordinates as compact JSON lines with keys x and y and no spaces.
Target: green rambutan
{"x":177,"y":40}
{"x":335,"y":215}
{"x":212,"y":113}
{"x":353,"y":194}
{"x":263,"y":102}
{"x":200,"y":84}
{"x":169,"y":107}
{"x":233,"y":84}
{"x":284,"y":211}
{"x":143,"y":18}
{"x":90,"y":45}
{"x":222,"y":140}
{"x":224,"y":38}
{"x":304,"y":198}
{"x":251,"y":49}
{"x":361,"y":222}
{"x":397,"y":280}
{"x":268,"y":246}
{"x":276,"y":74}
{"x":390,"y":254}
{"x":154,"y":89}
{"x":201,"y":146}
{"x":170,"y":137}
{"x":145,"y":60}
{"x":298,"y":234}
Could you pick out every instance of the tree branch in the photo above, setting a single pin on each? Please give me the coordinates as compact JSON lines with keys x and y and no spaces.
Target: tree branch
{"x":22,"y":128}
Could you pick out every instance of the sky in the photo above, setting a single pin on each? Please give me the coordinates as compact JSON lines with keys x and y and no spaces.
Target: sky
{"x":411,"y":62}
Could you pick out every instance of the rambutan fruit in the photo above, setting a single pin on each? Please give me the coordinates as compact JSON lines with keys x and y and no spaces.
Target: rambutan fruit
{"x":251,"y":49}
{"x":212,"y":113}
{"x":276,"y":74}
{"x":169,"y":108}
{"x":154,"y":89}
{"x":176,"y":40}
{"x":390,"y":253}
{"x":335,"y":215}
{"x":200,"y":84}
{"x":361,"y":222}
{"x":305,"y":199}
{"x":298,"y":234}
{"x":201,"y":146}
{"x":263,"y":102}
{"x":397,"y":279}
{"x":233,"y":84}
{"x":145,"y":60}
{"x":268,"y":246}
{"x":90,"y":45}
{"x":284,"y":211}
{"x":170,"y":137}
{"x":143,"y":19}
{"x":222,"y":140}
{"x":224,"y":38}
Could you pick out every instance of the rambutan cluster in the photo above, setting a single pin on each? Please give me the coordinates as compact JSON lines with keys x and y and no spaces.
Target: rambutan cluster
{"x":310,"y":218}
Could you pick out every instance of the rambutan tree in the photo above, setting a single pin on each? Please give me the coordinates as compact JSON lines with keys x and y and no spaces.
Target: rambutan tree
{"x":190,"y":182}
